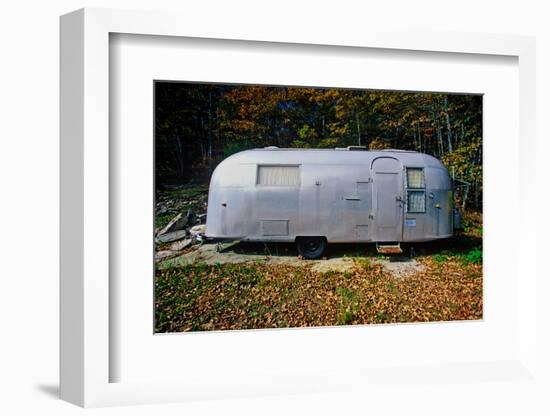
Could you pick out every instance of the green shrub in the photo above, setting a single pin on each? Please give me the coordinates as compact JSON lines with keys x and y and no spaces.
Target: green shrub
{"x":300,"y":144}
{"x":327,"y":144}
{"x":440,"y":258}
{"x":474,"y":256}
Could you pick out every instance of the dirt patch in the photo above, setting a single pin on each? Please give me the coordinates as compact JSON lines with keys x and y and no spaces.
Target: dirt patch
{"x":401,"y":266}
{"x":211,"y":254}
{"x":338,"y":264}
{"x":231,"y":254}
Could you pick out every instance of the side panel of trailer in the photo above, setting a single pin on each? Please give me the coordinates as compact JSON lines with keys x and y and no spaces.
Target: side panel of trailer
{"x":335,"y":201}
{"x":428,"y":204}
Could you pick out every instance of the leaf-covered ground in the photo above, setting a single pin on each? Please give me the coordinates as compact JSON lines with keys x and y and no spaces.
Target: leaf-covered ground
{"x":255,"y":295}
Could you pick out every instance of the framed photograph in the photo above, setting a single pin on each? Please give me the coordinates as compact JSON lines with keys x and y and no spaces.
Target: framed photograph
{"x":324,"y":206}
{"x":282,"y":213}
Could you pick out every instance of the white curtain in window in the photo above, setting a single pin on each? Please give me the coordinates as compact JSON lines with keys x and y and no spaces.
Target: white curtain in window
{"x":416,"y":201}
{"x":415,"y":178}
{"x":279,"y":175}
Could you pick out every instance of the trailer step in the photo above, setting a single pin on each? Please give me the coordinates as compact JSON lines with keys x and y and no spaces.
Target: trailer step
{"x":389,"y":248}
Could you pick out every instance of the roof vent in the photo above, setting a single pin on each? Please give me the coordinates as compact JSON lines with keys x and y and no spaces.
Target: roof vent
{"x":271,"y":147}
{"x":357,"y":148}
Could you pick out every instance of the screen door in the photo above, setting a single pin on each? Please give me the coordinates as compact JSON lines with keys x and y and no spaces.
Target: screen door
{"x":388,"y":199}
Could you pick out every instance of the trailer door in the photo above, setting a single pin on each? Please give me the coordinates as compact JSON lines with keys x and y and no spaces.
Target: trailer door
{"x":387,"y":217}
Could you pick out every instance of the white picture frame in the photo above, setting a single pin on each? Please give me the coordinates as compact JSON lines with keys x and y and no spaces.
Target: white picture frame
{"x":85,"y":217}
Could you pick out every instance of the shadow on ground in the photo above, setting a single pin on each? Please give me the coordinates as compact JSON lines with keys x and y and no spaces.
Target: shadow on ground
{"x":51,"y":390}
{"x":459,"y":244}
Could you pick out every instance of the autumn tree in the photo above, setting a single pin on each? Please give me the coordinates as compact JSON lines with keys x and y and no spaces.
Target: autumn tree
{"x":198,"y":125}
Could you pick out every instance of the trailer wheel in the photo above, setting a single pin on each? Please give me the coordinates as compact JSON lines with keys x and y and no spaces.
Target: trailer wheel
{"x":311,"y":247}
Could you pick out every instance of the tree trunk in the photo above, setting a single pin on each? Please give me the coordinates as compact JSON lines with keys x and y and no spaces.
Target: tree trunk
{"x":448,"y":119}
{"x":440,"y":140}
{"x":204,"y":150}
{"x":437,"y":134}
{"x":179,"y":155}
{"x":358,"y":129}
{"x":209,"y":152}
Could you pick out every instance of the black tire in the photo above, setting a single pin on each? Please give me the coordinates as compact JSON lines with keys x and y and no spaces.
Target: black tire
{"x":311,"y":247}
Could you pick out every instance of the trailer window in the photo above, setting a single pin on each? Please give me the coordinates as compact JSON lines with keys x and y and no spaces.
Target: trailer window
{"x":416,"y":190}
{"x":277,"y":175}
{"x":416,"y":201}
{"x":415,"y":178}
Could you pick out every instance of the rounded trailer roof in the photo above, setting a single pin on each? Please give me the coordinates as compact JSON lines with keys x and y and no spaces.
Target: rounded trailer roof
{"x":274,"y":155}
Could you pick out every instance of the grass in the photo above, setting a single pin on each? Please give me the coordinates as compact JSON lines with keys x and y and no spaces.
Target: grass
{"x":381,"y":317}
{"x":161,"y":220}
{"x":364,"y":262}
{"x":440,"y":258}
{"x":474,"y":256}
{"x":348,"y":307}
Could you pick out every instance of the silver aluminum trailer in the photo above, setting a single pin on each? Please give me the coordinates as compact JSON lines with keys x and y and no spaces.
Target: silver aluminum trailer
{"x":319,"y":196}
